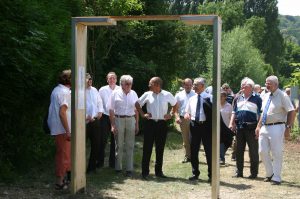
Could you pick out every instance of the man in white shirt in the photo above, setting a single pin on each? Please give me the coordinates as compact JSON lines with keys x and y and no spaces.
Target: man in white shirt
{"x":199,"y":111}
{"x":94,"y":110}
{"x":157,"y":101}
{"x":105,"y":93}
{"x":59,"y":122}
{"x":124,"y":122}
{"x":275,"y":123}
{"x":182,"y":99}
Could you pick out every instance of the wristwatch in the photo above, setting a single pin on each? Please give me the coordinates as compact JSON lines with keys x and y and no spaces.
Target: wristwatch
{"x":288,"y":126}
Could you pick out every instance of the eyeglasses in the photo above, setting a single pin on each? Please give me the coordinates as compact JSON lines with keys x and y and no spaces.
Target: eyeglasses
{"x":128,"y":84}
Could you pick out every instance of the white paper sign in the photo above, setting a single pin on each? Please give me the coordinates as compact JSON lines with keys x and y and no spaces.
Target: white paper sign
{"x":81,"y":87}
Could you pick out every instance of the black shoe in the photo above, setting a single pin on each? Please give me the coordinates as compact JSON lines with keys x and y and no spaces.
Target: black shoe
{"x":161,"y":175}
{"x":222,"y":162}
{"x":128,"y":174}
{"x":268,"y":179}
{"x":209,"y":180}
{"x":233,"y":159}
{"x":186,"y":160}
{"x":193,"y":178}
{"x":273,"y":182}
{"x":252,"y":176}
{"x":145,"y":176}
{"x":118,"y":171}
{"x":237,"y":175}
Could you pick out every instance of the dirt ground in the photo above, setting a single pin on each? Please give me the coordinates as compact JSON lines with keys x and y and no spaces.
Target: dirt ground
{"x":106,"y":184}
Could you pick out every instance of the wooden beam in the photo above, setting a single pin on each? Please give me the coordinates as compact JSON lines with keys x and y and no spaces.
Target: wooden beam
{"x":79,"y":47}
{"x":215,"y":184}
{"x":95,"y":21}
{"x":198,"y":19}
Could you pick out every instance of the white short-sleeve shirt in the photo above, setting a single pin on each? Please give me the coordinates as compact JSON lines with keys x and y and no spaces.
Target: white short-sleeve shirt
{"x":61,"y":95}
{"x":105,"y":93}
{"x":157,"y":104}
{"x":279,"y":106}
{"x":94,"y":103}
{"x":123,"y":104}
{"x":182,"y":98}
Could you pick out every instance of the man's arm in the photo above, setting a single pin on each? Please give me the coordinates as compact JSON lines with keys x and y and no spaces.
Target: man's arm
{"x":112,"y":121}
{"x":141,"y":112}
{"x":64,"y":120}
{"x":290,"y":118}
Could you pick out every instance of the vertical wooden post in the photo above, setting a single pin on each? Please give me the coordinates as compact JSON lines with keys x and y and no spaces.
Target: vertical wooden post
{"x":79,"y":43}
{"x":217,"y":27}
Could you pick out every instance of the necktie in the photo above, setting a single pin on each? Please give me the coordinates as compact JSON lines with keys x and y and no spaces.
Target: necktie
{"x":264,"y":118}
{"x":197,"y":118}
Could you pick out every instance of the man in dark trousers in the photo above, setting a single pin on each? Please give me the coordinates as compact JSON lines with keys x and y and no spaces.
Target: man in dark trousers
{"x":157,"y":101}
{"x":199,"y":111}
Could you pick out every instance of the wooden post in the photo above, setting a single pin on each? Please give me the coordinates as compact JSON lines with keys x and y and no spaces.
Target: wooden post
{"x":79,"y":43}
{"x":215,"y":184}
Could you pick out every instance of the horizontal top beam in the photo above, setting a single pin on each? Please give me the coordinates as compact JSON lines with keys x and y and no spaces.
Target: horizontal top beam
{"x":111,"y":20}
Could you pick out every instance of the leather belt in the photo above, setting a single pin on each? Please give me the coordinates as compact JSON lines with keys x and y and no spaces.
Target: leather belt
{"x":124,"y":116}
{"x":269,"y":124}
{"x":198,"y":122}
{"x":156,"y":120}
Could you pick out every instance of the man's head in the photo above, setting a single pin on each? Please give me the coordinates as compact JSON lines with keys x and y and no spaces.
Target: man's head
{"x":155,"y":84}
{"x":111,"y":78}
{"x":288,"y":91}
{"x":226,"y":88}
{"x":64,"y":78}
{"x":223,"y":95}
{"x":89,"y":80}
{"x":187,"y":85}
{"x":272,"y":83}
{"x":126,"y":83}
{"x":247,"y":86}
{"x":199,"y":85}
{"x":257,"y":88}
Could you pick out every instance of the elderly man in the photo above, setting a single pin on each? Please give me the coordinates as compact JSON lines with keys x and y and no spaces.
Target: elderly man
{"x":182,"y":99}
{"x":157,"y":101}
{"x":105,"y":93}
{"x":94,"y":110}
{"x":124,"y":122}
{"x":199,"y":111}
{"x":278,"y":114}
{"x":59,"y":122}
{"x":245,"y":115}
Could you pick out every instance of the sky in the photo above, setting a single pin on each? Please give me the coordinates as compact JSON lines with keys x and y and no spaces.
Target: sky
{"x":289,"y":7}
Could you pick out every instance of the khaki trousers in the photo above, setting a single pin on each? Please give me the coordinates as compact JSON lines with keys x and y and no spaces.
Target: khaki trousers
{"x":185,"y":132}
{"x":125,"y":139}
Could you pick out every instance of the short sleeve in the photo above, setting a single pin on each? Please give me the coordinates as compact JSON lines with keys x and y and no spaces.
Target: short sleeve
{"x":287,"y":103}
{"x":143,"y":99}
{"x":63,"y":99}
{"x":171,"y":99}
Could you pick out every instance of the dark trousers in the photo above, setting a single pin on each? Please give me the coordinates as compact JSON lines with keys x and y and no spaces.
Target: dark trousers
{"x":155,"y":132}
{"x":244,"y":136}
{"x":93,"y":133}
{"x":200,"y":132}
{"x":106,"y":132}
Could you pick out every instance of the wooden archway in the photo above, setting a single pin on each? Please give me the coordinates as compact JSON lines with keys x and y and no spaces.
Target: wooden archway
{"x":79,"y":49}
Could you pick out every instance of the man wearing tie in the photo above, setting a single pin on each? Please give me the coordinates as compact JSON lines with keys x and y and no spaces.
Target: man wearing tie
{"x":198,"y":110}
{"x":278,"y":114}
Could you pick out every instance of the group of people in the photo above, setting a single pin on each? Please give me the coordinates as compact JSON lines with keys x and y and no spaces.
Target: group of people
{"x":114,"y":112}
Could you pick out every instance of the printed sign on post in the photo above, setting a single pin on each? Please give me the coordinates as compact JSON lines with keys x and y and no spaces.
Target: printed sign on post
{"x":81,"y":86}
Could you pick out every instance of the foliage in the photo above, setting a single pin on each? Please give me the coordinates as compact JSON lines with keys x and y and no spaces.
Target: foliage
{"x":241,"y":59}
{"x":35,"y":45}
{"x":290,"y":28}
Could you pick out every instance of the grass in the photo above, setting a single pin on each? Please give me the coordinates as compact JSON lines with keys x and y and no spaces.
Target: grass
{"x":108,"y":184}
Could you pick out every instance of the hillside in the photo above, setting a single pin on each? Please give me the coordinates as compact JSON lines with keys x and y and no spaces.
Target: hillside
{"x":290,"y":27}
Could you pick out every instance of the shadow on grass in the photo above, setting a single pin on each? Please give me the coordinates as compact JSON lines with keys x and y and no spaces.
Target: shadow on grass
{"x":235,"y":186}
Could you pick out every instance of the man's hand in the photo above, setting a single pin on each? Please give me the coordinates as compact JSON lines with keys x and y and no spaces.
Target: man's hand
{"x":178,"y":120}
{"x":167,"y":116}
{"x":89,"y":119}
{"x":287,"y":134}
{"x":187,"y":116}
{"x":114,"y":129}
{"x":99,"y":116}
{"x":137,"y":128}
{"x":232,"y":127}
{"x":147,"y":116}
{"x":68,"y":136}
{"x":257,"y":132}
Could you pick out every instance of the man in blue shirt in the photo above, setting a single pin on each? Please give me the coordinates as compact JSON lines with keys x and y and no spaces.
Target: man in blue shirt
{"x":245,"y":115}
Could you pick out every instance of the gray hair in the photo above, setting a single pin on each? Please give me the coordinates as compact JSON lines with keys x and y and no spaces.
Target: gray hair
{"x":273,"y":79}
{"x":199,"y":80}
{"x":247,"y":81}
{"x":126,"y":78}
